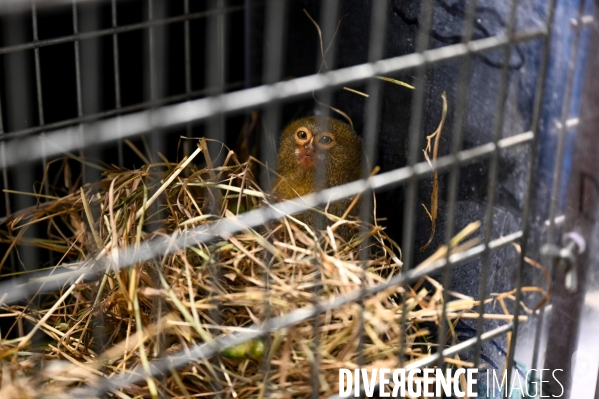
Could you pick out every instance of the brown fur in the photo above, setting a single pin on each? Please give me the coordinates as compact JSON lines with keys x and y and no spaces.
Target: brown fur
{"x":337,"y":165}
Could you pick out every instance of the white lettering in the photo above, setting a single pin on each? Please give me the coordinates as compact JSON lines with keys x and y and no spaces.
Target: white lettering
{"x":383,"y":382}
{"x":369,"y":385}
{"x":503,"y":381}
{"x":456,"y":383}
{"x":443,"y":381}
{"x":531,"y":381}
{"x":345,"y":390}
{"x":541,"y":384}
{"x":428,"y":381}
{"x":514,"y":378}
{"x":556,"y":380}
{"x":412,"y":383}
{"x":472,"y":383}
{"x":400,"y":384}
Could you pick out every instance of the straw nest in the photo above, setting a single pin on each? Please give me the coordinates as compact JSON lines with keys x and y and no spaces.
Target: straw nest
{"x":89,"y":331}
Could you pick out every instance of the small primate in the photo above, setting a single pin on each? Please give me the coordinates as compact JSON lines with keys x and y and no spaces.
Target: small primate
{"x":318,"y":148}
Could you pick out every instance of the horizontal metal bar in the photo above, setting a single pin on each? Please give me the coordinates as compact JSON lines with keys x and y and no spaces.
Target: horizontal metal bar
{"x":117,"y":111}
{"x":584,"y":20}
{"x":572,"y":122}
{"x":174,"y":115}
{"x":9,"y":6}
{"x":459,"y":348}
{"x":204,"y":350}
{"x":558,"y":220}
{"x":423,"y":169}
{"x":115,"y":30}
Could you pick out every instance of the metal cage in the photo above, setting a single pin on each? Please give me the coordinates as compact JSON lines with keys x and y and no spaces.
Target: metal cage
{"x":83,"y":76}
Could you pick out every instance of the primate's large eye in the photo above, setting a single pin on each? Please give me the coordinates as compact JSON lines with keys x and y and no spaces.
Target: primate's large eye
{"x":326,"y":140}
{"x":302,"y":135}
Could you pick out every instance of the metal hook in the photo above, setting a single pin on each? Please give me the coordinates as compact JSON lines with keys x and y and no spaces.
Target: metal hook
{"x":565,"y":257}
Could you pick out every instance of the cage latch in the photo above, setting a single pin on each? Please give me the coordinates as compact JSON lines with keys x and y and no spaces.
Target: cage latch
{"x":564,"y":258}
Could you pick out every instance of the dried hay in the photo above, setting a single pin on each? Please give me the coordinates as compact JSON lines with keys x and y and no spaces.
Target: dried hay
{"x":89,"y":331}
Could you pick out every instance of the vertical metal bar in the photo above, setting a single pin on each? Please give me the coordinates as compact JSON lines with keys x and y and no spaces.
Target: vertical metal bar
{"x":247,"y":43}
{"x":18,"y":93}
{"x":88,"y":87}
{"x":215,"y":76}
{"x":328,"y":21}
{"x":187,"y":49}
{"x":155,"y":74}
{"x":115,"y":53}
{"x":535,"y":127}
{"x":564,"y":322}
{"x":5,"y":182}
{"x":117,"y":75}
{"x":78,"y":86}
{"x":215,"y":73}
{"x":7,"y":205}
{"x":40,"y":104}
{"x":91,"y":86}
{"x":18,"y":112}
{"x":90,"y":78}
{"x":329,"y":13}
{"x":561,"y":127}
{"x":562,"y":131}
{"x":155,"y":69}
{"x":274,"y":39}
{"x":422,"y":42}
{"x":38,"y":78}
{"x":216,"y":47}
{"x":77,"y":61}
{"x":188,"y":127}
{"x":376,"y":48}
{"x":273,"y":66}
{"x":216,"y":65}
{"x":154,"y":56}
{"x":251,"y":117}
{"x":38,"y":83}
{"x":152,"y":68}
{"x":540,"y":318}
{"x":324,"y":98}
{"x":498,"y":124}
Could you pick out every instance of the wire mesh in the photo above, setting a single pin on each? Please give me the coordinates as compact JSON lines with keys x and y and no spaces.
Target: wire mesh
{"x":92,"y":128}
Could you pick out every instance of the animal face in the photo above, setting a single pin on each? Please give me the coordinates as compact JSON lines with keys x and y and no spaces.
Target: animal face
{"x":318,"y":148}
{"x":316,"y":142}
{"x":312,"y":146}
